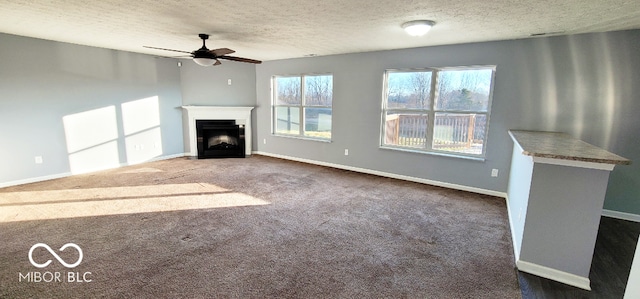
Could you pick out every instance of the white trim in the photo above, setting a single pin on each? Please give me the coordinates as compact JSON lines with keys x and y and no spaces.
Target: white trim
{"x":35,"y":180}
{"x":633,"y":287}
{"x":621,"y":215}
{"x":574,"y":163}
{"x":432,"y":152}
{"x":67,"y":174}
{"x":242,"y":116}
{"x":155,"y":159}
{"x":301,"y":137}
{"x":553,"y":274}
{"x":516,"y":252}
{"x":389,"y":175}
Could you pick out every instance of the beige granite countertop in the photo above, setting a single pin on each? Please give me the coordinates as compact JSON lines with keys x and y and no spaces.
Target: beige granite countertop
{"x":557,"y":145}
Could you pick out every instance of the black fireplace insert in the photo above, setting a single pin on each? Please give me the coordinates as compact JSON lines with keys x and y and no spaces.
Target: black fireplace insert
{"x":220,"y":139}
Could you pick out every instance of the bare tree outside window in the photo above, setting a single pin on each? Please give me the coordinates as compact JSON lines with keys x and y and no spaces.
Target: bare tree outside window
{"x":409,"y":90}
{"x":318,"y":90}
{"x":421,"y":85}
{"x":288,"y":90}
{"x":464,"y":90}
{"x":453,"y":118}
{"x":302,"y":105}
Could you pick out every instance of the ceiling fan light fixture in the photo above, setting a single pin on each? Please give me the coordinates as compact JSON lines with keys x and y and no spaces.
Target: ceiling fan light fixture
{"x":206,"y":57}
{"x":418,"y":27}
{"x":204,"y":61}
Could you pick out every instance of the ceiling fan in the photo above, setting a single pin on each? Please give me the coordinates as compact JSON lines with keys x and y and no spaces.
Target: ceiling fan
{"x":206,"y":57}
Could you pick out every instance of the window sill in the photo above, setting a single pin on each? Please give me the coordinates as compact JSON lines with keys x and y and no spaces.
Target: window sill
{"x":434,"y":153}
{"x":302,"y":138}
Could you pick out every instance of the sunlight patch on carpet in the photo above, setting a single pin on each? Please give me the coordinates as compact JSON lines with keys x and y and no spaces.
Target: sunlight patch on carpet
{"x":142,"y":170}
{"x":69,"y":203}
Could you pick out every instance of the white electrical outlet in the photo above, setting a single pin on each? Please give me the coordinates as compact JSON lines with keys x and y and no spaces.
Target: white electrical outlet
{"x":229,"y":82}
{"x":494,"y":173}
{"x":346,"y":152}
{"x":38,"y":159}
{"x":264,"y":141}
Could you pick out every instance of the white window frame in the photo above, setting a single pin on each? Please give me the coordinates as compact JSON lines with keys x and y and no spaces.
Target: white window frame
{"x":431,"y":112}
{"x":301,"y":106}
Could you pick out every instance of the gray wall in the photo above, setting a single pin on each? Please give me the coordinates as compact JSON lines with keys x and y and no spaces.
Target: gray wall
{"x":560,"y":231}
{"x":208,"y":86}
{"x":83,"y":108}
{"x":581,"y":84}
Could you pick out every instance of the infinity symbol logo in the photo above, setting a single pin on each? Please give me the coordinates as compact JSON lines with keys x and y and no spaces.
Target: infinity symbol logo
{"x":45,"y":246}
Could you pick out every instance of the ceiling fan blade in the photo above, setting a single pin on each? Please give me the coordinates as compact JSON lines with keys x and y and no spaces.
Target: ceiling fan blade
{"x":217,"y":62}
{"x":168,"y":49}
{"x":240,"y":59}
{"x":222,"y":51}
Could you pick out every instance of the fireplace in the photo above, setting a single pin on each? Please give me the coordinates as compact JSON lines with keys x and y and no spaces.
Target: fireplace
{"x":191,"y":114}
{"x":220,"y":139}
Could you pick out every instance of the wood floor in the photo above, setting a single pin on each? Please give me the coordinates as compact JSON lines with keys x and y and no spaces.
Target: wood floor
{"x":612,"y":259}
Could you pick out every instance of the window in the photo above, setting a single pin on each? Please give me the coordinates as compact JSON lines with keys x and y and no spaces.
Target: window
{"x":302,"y":106}
{"x":438,"y":110}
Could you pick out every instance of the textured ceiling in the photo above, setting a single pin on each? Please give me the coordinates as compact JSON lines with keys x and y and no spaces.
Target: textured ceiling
{"x":278,"y":29}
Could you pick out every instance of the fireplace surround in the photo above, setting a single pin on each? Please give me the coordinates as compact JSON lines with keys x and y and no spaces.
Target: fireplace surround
{"x":241,"y":116}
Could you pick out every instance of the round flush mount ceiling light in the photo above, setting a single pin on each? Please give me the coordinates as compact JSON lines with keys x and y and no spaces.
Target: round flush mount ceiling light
{"x":418,"y":27}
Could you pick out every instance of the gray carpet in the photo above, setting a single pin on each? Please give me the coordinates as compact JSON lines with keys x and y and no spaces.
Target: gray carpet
{"x":258,"y":227}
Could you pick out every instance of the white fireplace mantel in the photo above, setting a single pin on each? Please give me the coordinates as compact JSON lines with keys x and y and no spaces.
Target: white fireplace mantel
{"x":242,"y":116}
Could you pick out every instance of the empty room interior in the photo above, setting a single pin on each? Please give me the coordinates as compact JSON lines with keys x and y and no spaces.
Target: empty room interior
{"x":304,"y":149}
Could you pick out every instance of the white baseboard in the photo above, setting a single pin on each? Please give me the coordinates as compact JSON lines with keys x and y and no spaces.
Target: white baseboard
{"x":389,"y":175}
{"x":621,"y":215}
{"x":66,"y":174}
{"x":35,"y":180}
{"x":156,"y":159}
{"x":553,"y":274}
